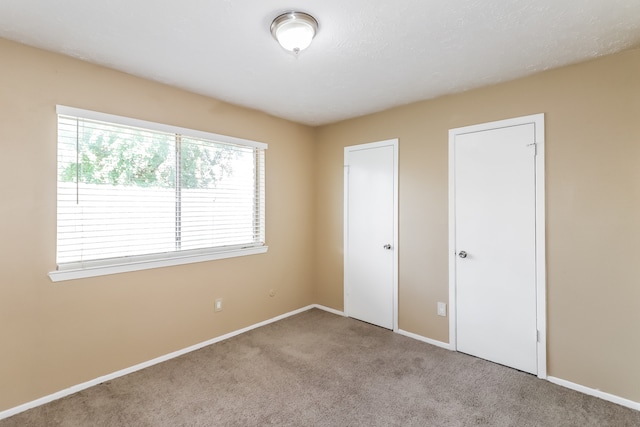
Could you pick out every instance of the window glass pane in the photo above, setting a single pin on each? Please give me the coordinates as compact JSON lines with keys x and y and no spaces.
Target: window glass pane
{"x":218,"y":192}
{"x":116,"y":191}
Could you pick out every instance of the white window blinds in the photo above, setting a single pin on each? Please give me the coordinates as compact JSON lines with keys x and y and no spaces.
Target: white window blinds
{"x":128,"y":190}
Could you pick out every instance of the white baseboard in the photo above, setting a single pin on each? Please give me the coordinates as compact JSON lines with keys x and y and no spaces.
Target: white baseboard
{"x":398,"y":331}
{"x":424,"y":339}
{"x":597,"y":393}
{"x":564,"y":383}
{"x":79,"y":387}
{"x":330,"y":310}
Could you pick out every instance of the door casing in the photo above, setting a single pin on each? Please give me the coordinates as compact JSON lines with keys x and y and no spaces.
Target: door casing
{"x":386,"y":143}
{"x":538,"y":121}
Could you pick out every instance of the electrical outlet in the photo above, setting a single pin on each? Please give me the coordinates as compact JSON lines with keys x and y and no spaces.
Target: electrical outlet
{"x":218,"y":306}
{"x":442,"y":309}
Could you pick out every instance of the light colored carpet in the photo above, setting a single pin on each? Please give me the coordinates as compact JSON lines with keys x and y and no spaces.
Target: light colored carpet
{"x":319,"y":369}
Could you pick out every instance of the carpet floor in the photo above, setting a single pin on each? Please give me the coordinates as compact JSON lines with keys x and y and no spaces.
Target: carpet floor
{"x":319,"y":369}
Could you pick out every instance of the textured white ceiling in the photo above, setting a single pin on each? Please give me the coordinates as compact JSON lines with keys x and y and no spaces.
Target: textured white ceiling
{"x":369,"y":55}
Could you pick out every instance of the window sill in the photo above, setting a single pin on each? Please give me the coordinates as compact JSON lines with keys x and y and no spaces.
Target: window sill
{"x":160,"y":261}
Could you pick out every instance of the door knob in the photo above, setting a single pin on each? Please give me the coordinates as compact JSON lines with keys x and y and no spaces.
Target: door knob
{"x":462,"y":254}
{"x":387,"y":246}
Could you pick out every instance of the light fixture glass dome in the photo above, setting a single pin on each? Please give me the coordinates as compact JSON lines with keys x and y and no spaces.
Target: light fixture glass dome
{"x":294,"y":30}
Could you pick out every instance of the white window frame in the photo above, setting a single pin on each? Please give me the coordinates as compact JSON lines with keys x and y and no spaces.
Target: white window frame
{"x":143,"y":262}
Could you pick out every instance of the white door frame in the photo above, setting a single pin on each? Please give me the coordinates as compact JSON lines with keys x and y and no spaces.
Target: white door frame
{"x":393,"y":143}
{"x":541,"y":305}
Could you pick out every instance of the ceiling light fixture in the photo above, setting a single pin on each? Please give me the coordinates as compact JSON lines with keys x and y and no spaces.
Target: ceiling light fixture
{"x":294,"y":30}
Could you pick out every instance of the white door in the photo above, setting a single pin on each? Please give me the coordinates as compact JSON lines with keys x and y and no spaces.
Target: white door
{"x":370,"y":232}
{"x":495,"y":247}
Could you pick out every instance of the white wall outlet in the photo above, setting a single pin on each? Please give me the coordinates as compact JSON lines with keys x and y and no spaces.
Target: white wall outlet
{"x":442,"y":309}
{"x":218,"y":306}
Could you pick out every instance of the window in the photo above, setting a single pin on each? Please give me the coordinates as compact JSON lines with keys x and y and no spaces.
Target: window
{"x":135,"y":195}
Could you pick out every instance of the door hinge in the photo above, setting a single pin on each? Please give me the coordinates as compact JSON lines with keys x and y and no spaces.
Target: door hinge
{"x":537,"y":336}
{"x":535,"y":148}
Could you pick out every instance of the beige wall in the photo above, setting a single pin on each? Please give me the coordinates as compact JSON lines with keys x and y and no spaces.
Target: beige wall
{"x":592,"y":113}
{"x":55,"y":335}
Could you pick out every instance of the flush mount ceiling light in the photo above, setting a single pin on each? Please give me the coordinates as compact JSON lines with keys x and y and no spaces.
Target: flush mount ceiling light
{"x":294,"y":30}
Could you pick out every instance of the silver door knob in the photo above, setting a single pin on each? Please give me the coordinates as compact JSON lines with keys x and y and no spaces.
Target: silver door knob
{"x":387,"y":247}
{"x":462,"y":254}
